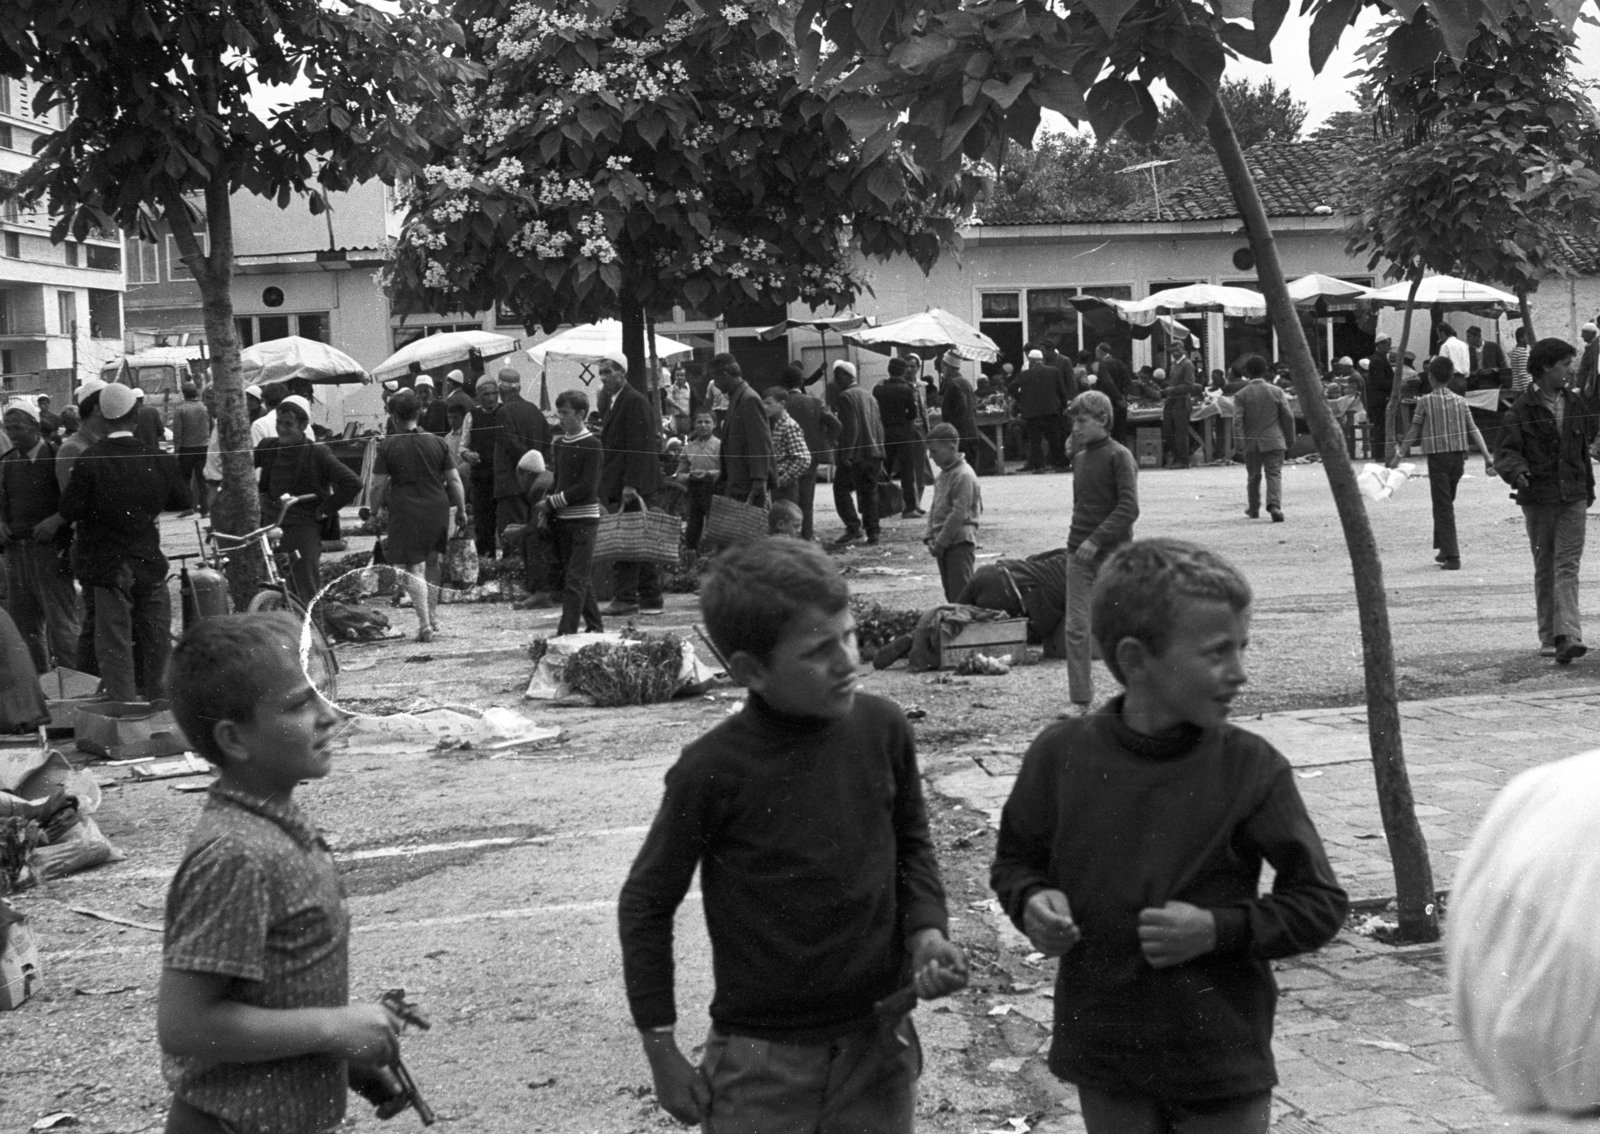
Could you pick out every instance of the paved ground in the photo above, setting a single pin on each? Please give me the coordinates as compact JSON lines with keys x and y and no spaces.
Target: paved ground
{"x":485,"y":886}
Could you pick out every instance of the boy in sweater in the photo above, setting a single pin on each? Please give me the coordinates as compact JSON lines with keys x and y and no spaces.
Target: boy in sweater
{"x":1443,"y":421}
{"x":1105,"y":503}
{"x":952,"y":537}
{"x":805,"y":817}
{"x":1131,"y":848}
{"x":573,"y":511}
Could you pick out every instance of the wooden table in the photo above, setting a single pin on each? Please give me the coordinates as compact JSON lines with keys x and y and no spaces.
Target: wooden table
{"x":992,"y":432}
{"x":1210,"y":426}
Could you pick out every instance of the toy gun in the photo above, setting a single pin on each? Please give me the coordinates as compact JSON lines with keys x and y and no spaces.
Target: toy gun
{"x":392,"y":1089}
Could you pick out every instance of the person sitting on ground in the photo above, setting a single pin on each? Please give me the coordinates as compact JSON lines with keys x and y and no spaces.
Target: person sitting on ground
{"x":253,"y":1012}
{"x":784,"y":519}
{"x":535,"y":538}
{"x":1132,"y":847}
{"x":823,"y":778}
{"x":952,"y":536}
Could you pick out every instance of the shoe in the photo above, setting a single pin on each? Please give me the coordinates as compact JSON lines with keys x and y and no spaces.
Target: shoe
{"x":426,"y":635}
{"x":1253,"y":513}
{"x":652,"y":611}
{"x":1449,"y":564}
{"x":897,"y":648}
{"x":619,"y":608}
{"x":1566,"y":650}
{"x":910,"y":514}
{"x":534,"y":601}
{"x":850,"y":536}
{"x":872,"y":541}
{"x":920,"y":512}
{"x":1547,"y":651}
{"x":1439,"y":558}
{"x":1277,"y":516}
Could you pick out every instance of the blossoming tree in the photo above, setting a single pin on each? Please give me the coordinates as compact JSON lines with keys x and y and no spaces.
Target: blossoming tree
{"x":613,"y":164}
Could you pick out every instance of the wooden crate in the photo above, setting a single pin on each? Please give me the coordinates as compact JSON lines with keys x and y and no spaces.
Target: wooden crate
{"x":1004,"y":638}
{"x":1147,"y":446}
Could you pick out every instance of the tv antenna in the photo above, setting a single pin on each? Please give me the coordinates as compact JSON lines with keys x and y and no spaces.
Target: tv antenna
{"x":1151,"y":167}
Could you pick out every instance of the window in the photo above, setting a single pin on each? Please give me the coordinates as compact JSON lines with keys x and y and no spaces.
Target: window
{"x":67,"y":307}
{"x":105,"y":314}
{"x":253,"y":329}
{"x":70,"y":251}
{"x":406,"y":335}
{"x":7,"y":361}
{"x":5,"y":314}
{"x":269,"y":327}
{"x":144,"y":261}
{"x":176,"y":268}
{"x":13,"y":246}
{"x":101,"y":258}
{"x":5,"y":99}
{"x":246,"y":330}
{"x":314,"y":327}
{"x":7,"y":140}
{"x":1015,"y":318}
{"x":1001,"y":320}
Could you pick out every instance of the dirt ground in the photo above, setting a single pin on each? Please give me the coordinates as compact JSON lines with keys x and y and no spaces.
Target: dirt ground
{"x":486,"y":887}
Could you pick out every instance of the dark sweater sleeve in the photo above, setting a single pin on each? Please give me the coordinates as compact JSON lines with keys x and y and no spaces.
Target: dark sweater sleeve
{"x":1117,"y":527}
{"x":919,"y":892}
{"x":1027,"y":829}
{"x":650,"y":898}
{"x":1307,"y":904}
{"x":79,"y":493}
{"x":343,"y":485}
{"x":586,"y":485}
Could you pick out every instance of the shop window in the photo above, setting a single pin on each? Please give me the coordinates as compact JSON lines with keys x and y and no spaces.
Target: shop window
{"x":67,"y":311}
{"x":1098,"y":327}
{"x":246,"y":330}
{"x":144,"y":261}
{"x":102,"y":258}
{"x":1243,"y":336}
{"x":270,"y":327}
{"x":313,"y":326}
{"x":1001,"y":320}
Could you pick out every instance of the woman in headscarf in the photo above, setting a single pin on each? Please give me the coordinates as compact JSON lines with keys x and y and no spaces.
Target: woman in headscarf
{"x":415,"y":478}
{"x":1522,"y":944}
{"x":292,"y":464}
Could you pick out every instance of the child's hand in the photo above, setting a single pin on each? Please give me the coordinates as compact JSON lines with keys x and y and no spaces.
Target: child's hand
{"x":366,"y":1035}
{"x":938,"y":967}
{"x":680,"y":1088}
{"x":1086,"y":552}
{"x":1175,"y":933}
{"x":1047,"y":918}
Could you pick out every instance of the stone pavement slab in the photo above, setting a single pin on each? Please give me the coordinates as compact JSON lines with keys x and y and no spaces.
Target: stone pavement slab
{"x":1460,"y":752}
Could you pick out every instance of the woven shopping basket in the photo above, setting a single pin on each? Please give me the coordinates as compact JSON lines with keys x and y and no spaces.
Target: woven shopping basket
{"x":638,"y":536}
{"x":734,"y":522}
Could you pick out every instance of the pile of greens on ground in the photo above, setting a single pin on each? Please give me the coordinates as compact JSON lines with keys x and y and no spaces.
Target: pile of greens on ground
{"x":877,"y":625}
{"x":627,"y":673}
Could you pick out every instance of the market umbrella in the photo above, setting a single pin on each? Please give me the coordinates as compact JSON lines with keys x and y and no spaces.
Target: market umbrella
{"x":592,"y":342}
{"x":450,"y":348}
{"x":838,"y":324}
{"x":1449,"y":293}
{"x":934,"y":329}
{"x":279,"y":360}
{"x":1326,"y":293}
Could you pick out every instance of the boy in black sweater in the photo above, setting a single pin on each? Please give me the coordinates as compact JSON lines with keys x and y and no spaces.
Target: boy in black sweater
{"x":1131,"y":848}
{"x":572,"y":511}
{"x":804,"y":813}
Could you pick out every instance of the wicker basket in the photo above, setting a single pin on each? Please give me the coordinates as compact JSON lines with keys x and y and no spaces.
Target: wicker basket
{"x":734,"y":522}
{"x":638,"y":537}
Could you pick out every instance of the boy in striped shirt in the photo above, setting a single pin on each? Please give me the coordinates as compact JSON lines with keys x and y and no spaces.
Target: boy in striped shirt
{"x":1444,"y":422}
{"x":573,"y":511}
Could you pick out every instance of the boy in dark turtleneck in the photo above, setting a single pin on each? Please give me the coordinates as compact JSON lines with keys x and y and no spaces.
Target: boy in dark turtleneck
{"x":1131,"y":848}
{"x":804,"y":814}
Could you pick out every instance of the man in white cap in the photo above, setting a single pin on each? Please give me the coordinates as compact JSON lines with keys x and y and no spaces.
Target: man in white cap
{"x":147,"y":424}
{"x":40,"y":596}
{"x":859,"y":455}
{"x":958,"y":405}
{"x":1041,"y":393}
{"x":435,"y":418}
{"x":522,"y":427}
{"x":116,"y":492}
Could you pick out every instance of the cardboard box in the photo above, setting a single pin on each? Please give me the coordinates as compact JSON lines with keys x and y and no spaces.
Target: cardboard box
{"x":127,"y":730}
{"x":1002,"y":638}
{"x":64,"y":691}
{"x":19,"y":959}
{"x":1147,"y":446}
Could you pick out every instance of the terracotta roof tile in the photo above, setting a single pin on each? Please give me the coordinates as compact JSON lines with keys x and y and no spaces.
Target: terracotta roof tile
{"x":1293,"y":178}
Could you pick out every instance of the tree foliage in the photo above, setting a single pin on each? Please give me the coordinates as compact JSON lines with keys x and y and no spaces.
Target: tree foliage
{"x":660,"y":154}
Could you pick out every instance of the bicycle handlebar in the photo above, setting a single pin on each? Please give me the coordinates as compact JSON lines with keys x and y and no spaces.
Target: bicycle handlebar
{"x":287,"y":502}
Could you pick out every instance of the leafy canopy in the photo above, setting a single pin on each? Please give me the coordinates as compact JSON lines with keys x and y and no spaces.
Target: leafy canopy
{"x":661,"y":154}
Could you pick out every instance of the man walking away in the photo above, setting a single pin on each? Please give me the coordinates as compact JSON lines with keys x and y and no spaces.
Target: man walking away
{"x":860,"y":452}
{"x":1115,"y":380}
{"x":897,"y":407}
{"x":746,"y":434}
{"x":630,"y":474}
{"x":1588,"y":383}
{"x":191,"y":433}
{"x":1267,"y":425}
{"x":38,"y":542}
{"x":820,"y":428}
{"x":1544,"y":455}
{"x":522,"y":427}
{"x":1041,"y":392}
{"x":118,"y":489}
{"x":1444,"y":422}
{"x":1380,"y":386}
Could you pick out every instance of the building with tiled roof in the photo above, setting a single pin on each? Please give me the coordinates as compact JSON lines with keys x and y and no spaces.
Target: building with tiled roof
{"x":1295,"y":179}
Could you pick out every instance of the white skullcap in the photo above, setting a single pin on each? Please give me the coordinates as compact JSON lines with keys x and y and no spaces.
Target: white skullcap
{"x":116,"y":401}
{"x":20,"y":406}
{"x":532,"y":462}
{"x":1521,"y":940}
{"x":842,"y":367}
{"x":423,"y":380}
{"x":457,"y":377}
{"x":1591,"y":327}
{"x":619,"y":358}
{"x":89,"y":386}
{"x":299,"y":403}
{"x":253,"y":391}
{"x":1346,"y":361}
{"x":509,"y":377}
{"x":1158,"y":373}
{"x":1091,"y":378}
{"x":1036,"y":356}
{"x":138,"y":393}
{"x":1366,"y":364}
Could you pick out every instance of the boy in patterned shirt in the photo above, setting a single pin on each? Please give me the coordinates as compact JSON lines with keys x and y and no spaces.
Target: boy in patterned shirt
{"x":1444,"y":422}
{"x":253,"y":1013}
{"x":789,"y":451}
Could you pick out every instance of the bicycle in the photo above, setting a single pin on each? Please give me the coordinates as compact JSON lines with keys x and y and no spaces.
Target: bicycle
{"x":272,"y":593}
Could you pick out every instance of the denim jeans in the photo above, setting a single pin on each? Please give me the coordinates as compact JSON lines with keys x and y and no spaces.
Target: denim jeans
{"x":133,"y":637}
{"x":1255,"y":463}
{"x":1555,"y":533}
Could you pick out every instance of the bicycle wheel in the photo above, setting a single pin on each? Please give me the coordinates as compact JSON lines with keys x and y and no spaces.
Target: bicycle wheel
{"x":322,"y":666}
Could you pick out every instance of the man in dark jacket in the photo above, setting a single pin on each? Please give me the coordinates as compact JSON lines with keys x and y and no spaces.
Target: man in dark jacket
{"x":479,"y":455}
{"x":1380,"y":386}
{"x":1544,"y":455}
{"x":746,"y":434}
{"x":630,"y":474}
{"x":958,"y":406}
{"x":435,"y":417}
{"x":1115,"y":380}
{"x":522,"y":427}
{"x":1041,"y":393}
{"x":116,"y":492}
{"x":859,"y":461}
{"x":821,"y":429}
{"x":897,"y":406}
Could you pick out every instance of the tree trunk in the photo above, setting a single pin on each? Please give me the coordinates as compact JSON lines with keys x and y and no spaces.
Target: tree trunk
{"x":237,"y":507}
{"x":1392,"y":446}
{"x":1407,"y":848}
{"x":633,"y":345}
{"x":1526,"y":309}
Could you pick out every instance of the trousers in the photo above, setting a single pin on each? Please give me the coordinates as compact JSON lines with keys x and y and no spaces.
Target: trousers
{"x":1444,"y":474}
{"x":900,"y":456}
{"x":42,"y":602}
{"x":1080,"y":585}
{"x":483,"y":517}
{"x":956,"y":564}
{"x":1555,"y":533}
{"x":861,"y":1083}
{"x":806,"y":497}
{"x":857,"y":480}
{"x":573,"y":559}
{"x":1105,"y":1113}
{"x":133,"y":636}
{"x":302,"y":543}
{"x":1257,"y":461}
{"x":699,"y":507}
